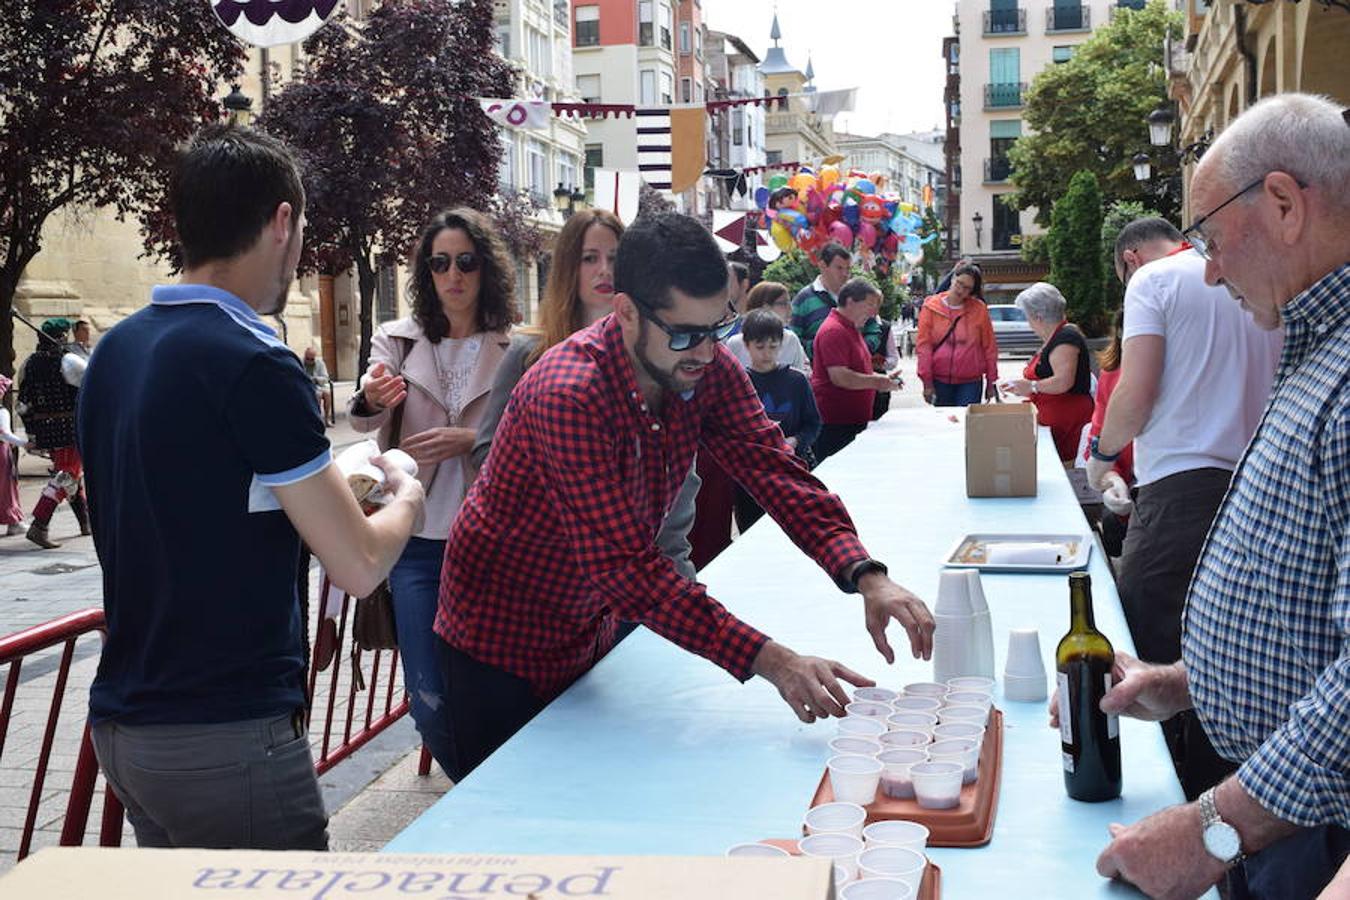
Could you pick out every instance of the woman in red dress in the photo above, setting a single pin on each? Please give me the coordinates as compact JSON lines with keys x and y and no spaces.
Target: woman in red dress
{"x":1058,"y":379}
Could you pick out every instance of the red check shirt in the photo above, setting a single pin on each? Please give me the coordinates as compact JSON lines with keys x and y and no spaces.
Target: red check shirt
{"x":556,"y":540}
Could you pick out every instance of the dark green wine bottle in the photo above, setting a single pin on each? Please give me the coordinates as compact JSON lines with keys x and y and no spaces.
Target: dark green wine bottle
{"x":1089,"y":738}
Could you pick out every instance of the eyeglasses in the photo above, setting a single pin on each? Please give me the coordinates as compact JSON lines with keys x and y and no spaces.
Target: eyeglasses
{"x":685,"y":337}
{"x":466,"y":262}
{"x":1197,"y":237}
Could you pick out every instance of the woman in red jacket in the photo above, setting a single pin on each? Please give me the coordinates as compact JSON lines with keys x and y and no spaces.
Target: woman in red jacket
{"x":956,"y":346}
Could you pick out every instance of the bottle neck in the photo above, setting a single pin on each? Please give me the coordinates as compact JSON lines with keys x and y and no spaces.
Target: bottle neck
{"x":1080,"y":606}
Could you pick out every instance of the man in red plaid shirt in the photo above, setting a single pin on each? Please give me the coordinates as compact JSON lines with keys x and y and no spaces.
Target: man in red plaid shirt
{"x":555,"y":543}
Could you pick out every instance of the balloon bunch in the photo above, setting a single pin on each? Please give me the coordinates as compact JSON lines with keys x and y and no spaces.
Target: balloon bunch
{"x":810,"y":210}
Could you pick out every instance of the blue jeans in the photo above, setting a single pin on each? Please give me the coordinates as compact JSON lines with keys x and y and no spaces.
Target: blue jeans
{"x":963,"y":394}
{"x":415,"y":582}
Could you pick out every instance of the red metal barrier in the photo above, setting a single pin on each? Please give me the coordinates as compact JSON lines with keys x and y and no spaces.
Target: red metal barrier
{"x":65,"y":631}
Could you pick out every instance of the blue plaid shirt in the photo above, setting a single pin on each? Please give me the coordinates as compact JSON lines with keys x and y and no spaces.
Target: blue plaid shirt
{"x":1269,"y":607}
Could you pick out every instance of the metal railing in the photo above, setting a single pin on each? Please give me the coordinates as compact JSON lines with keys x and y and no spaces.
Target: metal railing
{"x":1005,"y":21}
{"x":1068,"y":18}
{"x":1004,"y":96}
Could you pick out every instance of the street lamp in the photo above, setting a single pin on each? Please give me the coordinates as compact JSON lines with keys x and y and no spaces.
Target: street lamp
{"x":568,"y":200}
{"x":238,"y":106}
{"x":1160,"y":126}
{"x":978,"y":220}
{"x":1142,"y":170}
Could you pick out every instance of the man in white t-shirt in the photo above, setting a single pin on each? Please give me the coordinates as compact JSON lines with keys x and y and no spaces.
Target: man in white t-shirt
{"x":1196,"y":373}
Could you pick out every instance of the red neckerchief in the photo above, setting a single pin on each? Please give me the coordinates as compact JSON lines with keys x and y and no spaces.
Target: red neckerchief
{"x":1185,"y":245}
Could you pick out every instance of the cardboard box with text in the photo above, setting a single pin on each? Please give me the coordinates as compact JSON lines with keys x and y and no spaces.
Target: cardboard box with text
{"x":116,"y":874}
{"x":1001,"y":450}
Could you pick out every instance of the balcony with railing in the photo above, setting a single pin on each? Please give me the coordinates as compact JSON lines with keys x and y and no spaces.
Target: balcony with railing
{"x":1005,"y":21}
{"x":1059,"y":19}
{"x":997,"y":169}
{"x":1004,"y":96}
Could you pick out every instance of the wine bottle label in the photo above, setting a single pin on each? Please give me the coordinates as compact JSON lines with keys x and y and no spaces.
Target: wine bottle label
{"x":1068,"y":762}
{"x":1112,"y":722}
{"x":1065,"y":713}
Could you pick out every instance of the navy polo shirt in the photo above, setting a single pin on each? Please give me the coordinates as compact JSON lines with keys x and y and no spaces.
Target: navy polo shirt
{"x":190,"y":411}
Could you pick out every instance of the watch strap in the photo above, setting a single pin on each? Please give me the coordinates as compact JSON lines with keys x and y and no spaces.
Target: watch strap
{"x":861,"y":569}
{"x":1209,"y":815}
{"x":1094,"y":447}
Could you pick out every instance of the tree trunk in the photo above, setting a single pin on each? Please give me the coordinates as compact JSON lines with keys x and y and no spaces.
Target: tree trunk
{"x":365,"y":275}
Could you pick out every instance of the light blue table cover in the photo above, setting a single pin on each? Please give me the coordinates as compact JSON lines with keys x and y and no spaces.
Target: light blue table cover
{"x":658,"y":751}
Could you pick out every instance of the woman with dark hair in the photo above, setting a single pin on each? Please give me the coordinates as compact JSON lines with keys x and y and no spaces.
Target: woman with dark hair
{"x":955,"y":344}
{"x":425,"y":391}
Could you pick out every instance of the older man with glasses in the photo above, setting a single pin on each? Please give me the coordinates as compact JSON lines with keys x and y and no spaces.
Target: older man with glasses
{"x":556,"y":541}
{"x":1265,"y":650}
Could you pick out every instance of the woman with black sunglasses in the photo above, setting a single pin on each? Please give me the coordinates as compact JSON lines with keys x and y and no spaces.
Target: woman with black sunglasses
{"x":425,"y":391}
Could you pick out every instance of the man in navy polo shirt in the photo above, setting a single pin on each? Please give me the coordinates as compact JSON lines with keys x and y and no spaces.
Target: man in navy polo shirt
{"x":204,"y":456}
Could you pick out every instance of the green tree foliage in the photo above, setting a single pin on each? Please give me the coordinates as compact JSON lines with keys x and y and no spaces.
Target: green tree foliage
{"x":1089,"y":114}
{"x":792,"y":269}
{"x":1075,"y":252}
{"x":1118,"y":215}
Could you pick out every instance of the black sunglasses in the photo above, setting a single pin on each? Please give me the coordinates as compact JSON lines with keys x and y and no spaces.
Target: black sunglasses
{"x":686,"y":337}
{"x":467,"y":262}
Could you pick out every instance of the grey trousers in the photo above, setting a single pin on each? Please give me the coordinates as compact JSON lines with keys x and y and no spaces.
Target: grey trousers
{"x":248,"y":784}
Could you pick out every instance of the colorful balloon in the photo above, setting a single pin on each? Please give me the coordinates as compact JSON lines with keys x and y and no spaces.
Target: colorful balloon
{"x":841,"y":233}
{"x":864,"y":186}
{"x":793,"y":220}
{"x":871,"y":209}
{"x":828,"y":176}
{"x":777,"y":181}
{"x":782,"y":238}
{"x":867,"y":233}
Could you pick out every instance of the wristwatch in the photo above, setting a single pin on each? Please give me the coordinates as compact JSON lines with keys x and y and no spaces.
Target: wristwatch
{"x":1094,"y":446}
{"x":1221,"y":839}
{"x":862,"y":568}
{"x":1035,"y":387}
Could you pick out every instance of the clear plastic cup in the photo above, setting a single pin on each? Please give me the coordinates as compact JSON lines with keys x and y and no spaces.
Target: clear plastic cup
{"x":869,"y":709}
{"x":937,"y":785}
{"x":895,"y":778}
{"x":842,"y":849}
{"x":900,"y":863}
{"x":970,"y":698}
{"x":912,"y":720}
{"x":916,"y":704}
{"x":963,"y":713}
{"x":835,"y":818}
{"x":757,"y":850}
{"x":966,"y":730}
{"x":971,"y":683}
{"x":965,"y":751}
{"x":905,"y":737}
{"x":875,"y":695}
{"x":925,"y":689}
{"x":896,"y":833}
{"x":854,"y":779}
{"x":840,"y":877}
{"x":856,"y":745}
{"x":861,"y":726}
{"x":877,"y":889}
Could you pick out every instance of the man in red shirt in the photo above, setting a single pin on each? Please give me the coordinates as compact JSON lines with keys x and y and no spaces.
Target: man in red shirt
{"x":841,"y":369}
{"x":555,"y":543}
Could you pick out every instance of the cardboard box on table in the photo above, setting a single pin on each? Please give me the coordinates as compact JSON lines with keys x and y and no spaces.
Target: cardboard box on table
{"x":1001,"y":450}
{"x":116,"y":874}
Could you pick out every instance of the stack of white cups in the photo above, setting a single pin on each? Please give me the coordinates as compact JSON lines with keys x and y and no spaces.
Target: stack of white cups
{"x":963,"y":643}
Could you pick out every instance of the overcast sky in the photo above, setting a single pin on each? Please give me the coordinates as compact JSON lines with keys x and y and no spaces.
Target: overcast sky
{"x":891,"y":50}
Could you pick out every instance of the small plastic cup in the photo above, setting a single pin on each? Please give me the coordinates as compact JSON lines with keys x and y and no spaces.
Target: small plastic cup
{"x":895,"y":779}
{"x":971,"y":683}
{"x":854,"y":779}
{"x":877,"y":889}
{"x":963,"y":713}
{"x":1024,"y":653}
{"x":912,"y":720}
{"x":970,"y":698}
{"x":916,"y":704}
{"x":765,"y":851}
{"x":966,"y":730}
{"x":900,"y":863}
{"x":926,"y":689}
{"x":875,"y":695}
{"x":855,"y":745}
{"x":861,"y":726}
{"x":835,"y":818}
{"x":869,"y":709}
{"x":896,"y":833}
{"x":840,"y":878}
{"x":905,"y":737}
{"x":841,"y":849}
{"x":962,"y":750}
{"x":937,"y":785}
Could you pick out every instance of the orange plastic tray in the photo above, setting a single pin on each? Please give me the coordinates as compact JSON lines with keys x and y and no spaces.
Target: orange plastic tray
{"x":929,"y":889}
{"x":968,"y":824}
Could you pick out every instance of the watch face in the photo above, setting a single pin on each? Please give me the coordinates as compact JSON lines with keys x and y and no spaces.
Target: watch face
{"x":1222,"y":841}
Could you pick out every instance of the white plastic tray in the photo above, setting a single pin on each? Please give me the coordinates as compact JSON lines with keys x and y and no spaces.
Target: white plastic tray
{"x":968,"y":552}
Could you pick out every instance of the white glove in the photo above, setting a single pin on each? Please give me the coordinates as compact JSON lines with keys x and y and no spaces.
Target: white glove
{"x":1116,"y":496}
{"x":7,"y":434}
{"x":1097,"y":470}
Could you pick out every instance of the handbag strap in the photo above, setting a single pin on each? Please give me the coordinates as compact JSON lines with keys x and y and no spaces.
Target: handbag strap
{"x":955,"y":322}
{"x":396,"y":414}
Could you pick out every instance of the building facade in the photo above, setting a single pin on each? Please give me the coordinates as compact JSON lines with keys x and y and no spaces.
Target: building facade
{"x":795,"y":134}
{"x":1235,"y":53}
{"x":911,"y":165}
{"x":738,"y":132}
